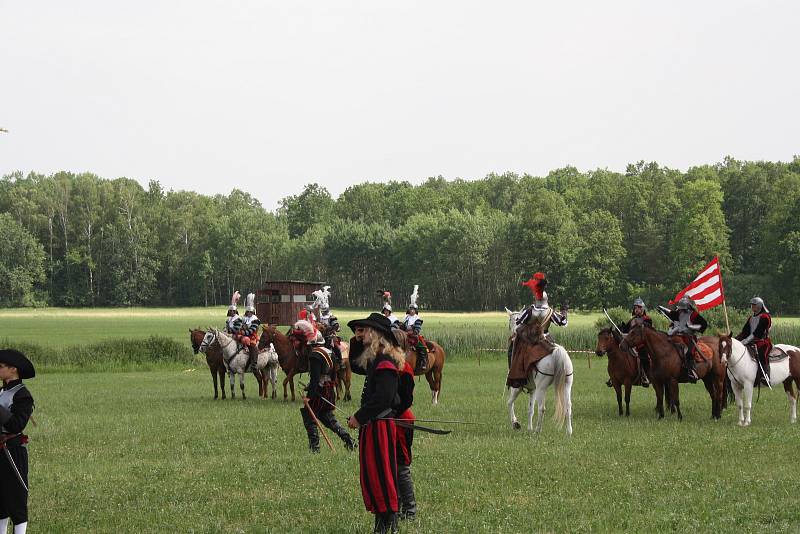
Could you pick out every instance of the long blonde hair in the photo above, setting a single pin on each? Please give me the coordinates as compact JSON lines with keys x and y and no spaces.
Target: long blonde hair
{"x":381,"y":345}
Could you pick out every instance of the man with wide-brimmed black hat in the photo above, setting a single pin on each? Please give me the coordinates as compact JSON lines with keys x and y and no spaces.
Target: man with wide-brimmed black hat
{"x":16,"y":407}
{"x":376,"y":353}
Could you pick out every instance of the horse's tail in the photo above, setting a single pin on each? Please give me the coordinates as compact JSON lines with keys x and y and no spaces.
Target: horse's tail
{"x":560,"y":359}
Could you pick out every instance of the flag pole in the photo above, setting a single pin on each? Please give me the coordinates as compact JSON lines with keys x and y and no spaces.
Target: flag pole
{"x":724,"y":301}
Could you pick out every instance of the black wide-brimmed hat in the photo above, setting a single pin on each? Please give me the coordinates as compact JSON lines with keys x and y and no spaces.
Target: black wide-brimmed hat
{"x":15,"y":358}
{"x":378,"y":322}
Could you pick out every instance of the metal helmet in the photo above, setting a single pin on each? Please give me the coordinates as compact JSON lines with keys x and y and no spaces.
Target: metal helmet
{"x":387,"y":307}
{"x":685,"y":304}
{"x":639,"y":302}
{"x":541,"y":302}
{"x":413,"y":307}
{"x":759,"y":302}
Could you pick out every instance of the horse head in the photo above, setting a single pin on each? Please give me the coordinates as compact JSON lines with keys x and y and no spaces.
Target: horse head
{"x":512,"y":318}
{"x":606,"y":339}
{"x":196,"y":338}
{"x":208,"y":338}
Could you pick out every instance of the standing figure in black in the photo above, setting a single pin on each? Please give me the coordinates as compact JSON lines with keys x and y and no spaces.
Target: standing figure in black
{"x":321,"y":390}
{"x":755,"y":334}
{"x":375,"y":351}
{"x":16,"y":407}
{"x":405,"y":436}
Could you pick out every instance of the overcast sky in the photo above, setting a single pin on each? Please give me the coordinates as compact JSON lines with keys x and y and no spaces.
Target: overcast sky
{"x":268,"y":96}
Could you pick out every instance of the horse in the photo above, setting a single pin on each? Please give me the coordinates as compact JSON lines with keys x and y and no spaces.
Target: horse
{"x":344,"y":374}
{"x":433,"y":371}
{"x":267,"y":365}
{"x":555,"y":368}
{"x":622,"y":366}
{"x":667,"y":364}
{"x":213,"y":359}
{"x":742,"y":371}
{"x":287,"y":358}
{"x":236,"y":360}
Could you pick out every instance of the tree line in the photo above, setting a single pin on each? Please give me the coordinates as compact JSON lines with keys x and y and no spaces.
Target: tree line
{"x":602,"y":237}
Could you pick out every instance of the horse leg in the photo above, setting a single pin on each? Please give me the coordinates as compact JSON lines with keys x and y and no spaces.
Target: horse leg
{"x":618,"y":391}
{"x":432,"y":383}
{"x":539,"y":395}
{"x":232,"y":380}
{"x":628,"y":387}
{"x":214,"y":379}
{"x":531,"y":399}
{"x":674,"y":398}
{"x":241,"y":383}
{"x":748,"y":402}
{"x":787,"y":387}
{"x":285,"y":382}
{"x":568,"y":403}
{"x":659,"y":389}
{"x":291,"y":385}
{"x":512,"y":396}
{"x":221,"y":373}
{"x":707,"y":382}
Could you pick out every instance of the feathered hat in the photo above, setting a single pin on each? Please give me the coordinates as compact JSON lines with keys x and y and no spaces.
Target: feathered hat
{"x":536,"y":284}
{"x":250,"y":303}
{"x":235,"y":301}
{"x":412,"y":300}
{"x":385,"y":295}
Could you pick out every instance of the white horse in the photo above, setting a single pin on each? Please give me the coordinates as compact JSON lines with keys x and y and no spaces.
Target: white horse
{"x":555,"y":368}
{"x":742,"y":370}
{"x":235,"y":360}
{"x":267,"y":364}
{"x":512,"y":319}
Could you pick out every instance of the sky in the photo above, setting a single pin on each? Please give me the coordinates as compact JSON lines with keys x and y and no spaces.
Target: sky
{"x":268,"y":96}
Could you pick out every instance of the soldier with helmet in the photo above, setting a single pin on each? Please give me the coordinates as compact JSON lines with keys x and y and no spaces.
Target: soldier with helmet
{"x":412,"y":324}
{"x":638,"y":317}
{"x":233,"y":320}
{"x":755,"y":333}
{"x":387,"y":312}
{"x":247,"y":333}
{"x":686,"y":324}
{"x":540,"y":309}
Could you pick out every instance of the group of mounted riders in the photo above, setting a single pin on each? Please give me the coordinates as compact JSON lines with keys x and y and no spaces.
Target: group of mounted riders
{"x":685,"y":324}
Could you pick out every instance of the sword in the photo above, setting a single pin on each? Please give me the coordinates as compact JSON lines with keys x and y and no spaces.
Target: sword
{"x":613,"y":323}
{"x":14,"y":467}
{"x":763,"y":373}
{"x":405,"y":423}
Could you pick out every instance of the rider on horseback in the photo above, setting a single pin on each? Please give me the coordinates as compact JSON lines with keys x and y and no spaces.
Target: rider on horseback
{"x":233,"y":321}
{"x":539,"y":309}
{"x":755,"y":334}
{"x":387,"y":312}
{"x":639,"y":316}
{"x":686,"y":323}
{"x":412,"y":324}
{"x":248,"y":333}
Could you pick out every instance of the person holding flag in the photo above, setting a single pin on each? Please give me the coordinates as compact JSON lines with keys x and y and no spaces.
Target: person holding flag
{"x":755,"y":333}
{"x":686,"y":323}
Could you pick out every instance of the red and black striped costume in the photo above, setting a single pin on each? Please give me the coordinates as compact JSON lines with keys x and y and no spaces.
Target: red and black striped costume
{"x":405,"y":436}
{"x":377,"y":438}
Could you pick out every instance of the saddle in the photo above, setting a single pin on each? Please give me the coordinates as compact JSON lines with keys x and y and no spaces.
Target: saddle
{"x":775,"y":355}
{"x":524,"y":358}
{"x":702,"y":353}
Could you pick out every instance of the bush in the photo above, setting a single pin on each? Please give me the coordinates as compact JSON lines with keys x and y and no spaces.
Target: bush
{"x":118,"y":354}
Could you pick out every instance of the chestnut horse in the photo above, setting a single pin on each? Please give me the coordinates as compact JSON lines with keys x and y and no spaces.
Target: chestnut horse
{"x":344,"y":374}
{"x":213,"y":358}
{"x":287,"y":358}
{"x":667,"y":366}
{"x":623,"y":367}
{"x":433,"y":371}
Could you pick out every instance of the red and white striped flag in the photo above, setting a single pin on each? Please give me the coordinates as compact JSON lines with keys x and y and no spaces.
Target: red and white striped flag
{"x":705,"y":290}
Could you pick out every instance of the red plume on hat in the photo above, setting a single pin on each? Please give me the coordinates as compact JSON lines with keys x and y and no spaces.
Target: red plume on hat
{"x":535,"y":284}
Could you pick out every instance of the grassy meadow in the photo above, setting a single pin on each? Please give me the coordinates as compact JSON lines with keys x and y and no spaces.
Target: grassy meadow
{"x":146,"y":448}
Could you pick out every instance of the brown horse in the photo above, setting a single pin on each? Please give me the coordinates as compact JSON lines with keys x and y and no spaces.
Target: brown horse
{"x":213,"y":359}
{"x":667,"y":366}
{"x":623,"y":367}
{"x":344,"y":374}
{"x":287,"y":357}
{"x":433,"y":371}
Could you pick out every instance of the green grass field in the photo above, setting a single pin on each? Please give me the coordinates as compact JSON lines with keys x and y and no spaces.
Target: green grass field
{"x":152,"y":451}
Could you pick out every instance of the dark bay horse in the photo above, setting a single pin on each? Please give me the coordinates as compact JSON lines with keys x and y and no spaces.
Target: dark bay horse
{"x":344,"y":374}
{"x":622,"y":365}
{"x":213,"y":358}
{"x":287,"y":357}
{"x":433,"y":371}
{"x":667,"y":366}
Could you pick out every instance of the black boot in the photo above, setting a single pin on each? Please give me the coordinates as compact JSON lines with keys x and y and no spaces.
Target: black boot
{"x":510,"y":352}
{"x":644,"y":362}
{"x":405,"y":487}
{"x":344,"y":435}
{"x":391,"y":522}
{"x":311,"y":430}
{"x":422,"y":357}
{"x":691,"y":370}
{"x":251,"y":363}
{"x":385,"y":523}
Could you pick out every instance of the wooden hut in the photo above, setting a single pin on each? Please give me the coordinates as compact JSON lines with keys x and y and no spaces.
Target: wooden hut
{"x":279,"y":301}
